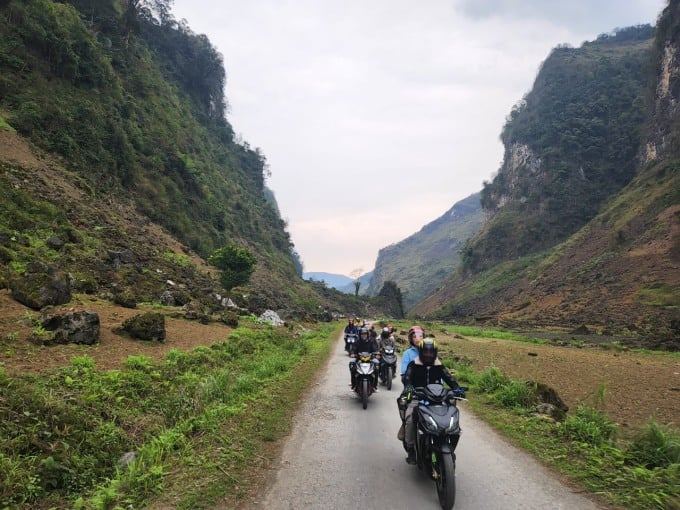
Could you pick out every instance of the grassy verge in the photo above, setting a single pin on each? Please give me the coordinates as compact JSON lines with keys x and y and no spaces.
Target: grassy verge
{"x":642,"y":473}
{"x":187,"y":432}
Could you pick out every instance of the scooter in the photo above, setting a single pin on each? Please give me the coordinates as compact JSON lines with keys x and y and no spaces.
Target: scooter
{"x":364,"y":375}
{"x":388,"y":366}
{"x":437,"y":433}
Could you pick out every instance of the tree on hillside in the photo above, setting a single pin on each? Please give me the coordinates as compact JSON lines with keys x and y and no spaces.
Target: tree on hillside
{"x":236,"y":264}
{"x":392,"y":300}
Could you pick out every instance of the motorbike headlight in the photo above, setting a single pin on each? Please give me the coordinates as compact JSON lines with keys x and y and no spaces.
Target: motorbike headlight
{"x":430,"y":425}
{"x":453,"y":426}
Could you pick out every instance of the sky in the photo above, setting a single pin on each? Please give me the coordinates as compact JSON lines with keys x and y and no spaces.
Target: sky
{"x":377,"y":116}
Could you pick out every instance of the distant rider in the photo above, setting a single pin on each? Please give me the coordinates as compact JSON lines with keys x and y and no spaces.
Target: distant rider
{"x":385,"y":339}
{"x":415,"y":335}
{"x":425,"y":369}
{"x":363,"y":344}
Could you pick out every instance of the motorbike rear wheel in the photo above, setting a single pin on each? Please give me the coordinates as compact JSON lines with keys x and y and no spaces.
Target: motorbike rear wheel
{"x":388,"y":379}
{"x":446,"y":481}
{"x":364,"y":393}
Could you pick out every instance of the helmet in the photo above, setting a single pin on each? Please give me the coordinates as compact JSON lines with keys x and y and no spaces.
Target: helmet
{"x":363,"y":333}
{"x":415,"y":331}
{"x":427,"y":351}
{"x":385,"y":333}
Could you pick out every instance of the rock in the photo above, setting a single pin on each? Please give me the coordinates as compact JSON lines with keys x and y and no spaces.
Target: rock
{"x":271,"y":317}
{"x":167,"y":299}
{"x":40,"y":287}
{"x":73,"y":327}
{"x":146,"y":326}
{"x":56,"y":243}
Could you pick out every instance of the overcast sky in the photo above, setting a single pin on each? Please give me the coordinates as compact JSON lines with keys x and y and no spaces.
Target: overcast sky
{"x":376,"y":116}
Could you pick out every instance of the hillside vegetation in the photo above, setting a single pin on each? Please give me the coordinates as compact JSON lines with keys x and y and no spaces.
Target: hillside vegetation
{"x":119,"y":167}
{"x":419,"y":263}
{"x":584,"y":223}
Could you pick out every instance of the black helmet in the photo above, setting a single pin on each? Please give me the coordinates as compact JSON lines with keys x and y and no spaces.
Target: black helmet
{"x":363,"y":333}
{"x":385,"y":333}
{"x":427,"y":351}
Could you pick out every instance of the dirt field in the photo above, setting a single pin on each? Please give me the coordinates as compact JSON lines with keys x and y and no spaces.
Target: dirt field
{"x":636,"y":386}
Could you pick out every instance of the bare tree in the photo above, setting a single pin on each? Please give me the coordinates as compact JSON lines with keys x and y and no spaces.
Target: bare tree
{"x":356,"y":274}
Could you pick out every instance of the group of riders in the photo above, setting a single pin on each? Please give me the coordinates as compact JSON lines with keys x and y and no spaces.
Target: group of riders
{"x":420,"y":366}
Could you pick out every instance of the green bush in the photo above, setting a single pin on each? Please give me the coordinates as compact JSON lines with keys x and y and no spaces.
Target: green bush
{"x":588,"y":426}
{"x":516,"y":394}
{"x":491,"y":380}
{"x":655,"y":446}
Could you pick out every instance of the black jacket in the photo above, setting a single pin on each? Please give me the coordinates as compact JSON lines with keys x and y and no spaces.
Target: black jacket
{"x":419,"y":375}
{"x":364,"y":346}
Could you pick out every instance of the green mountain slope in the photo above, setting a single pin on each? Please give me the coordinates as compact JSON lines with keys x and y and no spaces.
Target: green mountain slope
{"x":114,"y":123}
{"x":585,"y":225}
{"x":419,"y":263}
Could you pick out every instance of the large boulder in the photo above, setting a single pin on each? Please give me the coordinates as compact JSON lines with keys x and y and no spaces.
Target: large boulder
{"x":146,"y":326}
{"x":72,"y":328}
{"x":41,"y":286}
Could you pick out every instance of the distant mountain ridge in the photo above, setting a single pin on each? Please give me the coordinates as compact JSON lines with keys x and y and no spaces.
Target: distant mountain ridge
{"x":422,"y":261}
{"x":337,"y":281}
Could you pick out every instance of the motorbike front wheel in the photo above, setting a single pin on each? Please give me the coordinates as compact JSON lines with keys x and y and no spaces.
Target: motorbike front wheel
{"x":446,"y":481}
{"x":388,"y":380}
{"x":364,"y":393}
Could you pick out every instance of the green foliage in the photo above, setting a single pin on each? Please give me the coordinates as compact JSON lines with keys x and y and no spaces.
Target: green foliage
{"x":491,"y":380}
{"x":62,"y":434}
{"x":655,"y":447}
{"x":235,"y":263}
{"x":644,"y":475}
{"x":589,"y":426}
{"x":581,"y":124}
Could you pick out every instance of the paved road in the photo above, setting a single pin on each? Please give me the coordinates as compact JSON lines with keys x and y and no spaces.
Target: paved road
{"x":340,"y":456}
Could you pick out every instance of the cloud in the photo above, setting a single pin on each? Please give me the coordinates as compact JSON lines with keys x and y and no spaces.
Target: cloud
{"x":364,"y":109}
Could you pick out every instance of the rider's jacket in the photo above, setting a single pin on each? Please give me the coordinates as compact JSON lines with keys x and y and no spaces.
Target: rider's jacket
{"x":361,"y":345}
{"x":419,"y":375}
{"x":351,"y":329}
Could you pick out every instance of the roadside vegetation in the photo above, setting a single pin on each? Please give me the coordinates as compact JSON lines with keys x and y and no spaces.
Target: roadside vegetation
{"x":191,"y":429}
{"x":638,"y":473}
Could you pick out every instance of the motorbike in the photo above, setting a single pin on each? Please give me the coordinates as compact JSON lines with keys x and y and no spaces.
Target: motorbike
{"x":365,"y":367}
{"x":388,"y":366}
{"x":437,"y":433}
{"x":349,"y":340}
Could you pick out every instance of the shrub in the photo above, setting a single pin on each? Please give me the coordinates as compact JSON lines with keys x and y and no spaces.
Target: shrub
{"x":655,"y":446}
{"x":491,"y":380}
{"x":589,"y":426}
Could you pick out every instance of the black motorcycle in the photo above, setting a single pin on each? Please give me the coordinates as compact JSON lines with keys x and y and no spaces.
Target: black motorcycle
{"x":350,"y":338}
{"x":364,"y":367}
{"x":388,"y":366}
{"x":437,"y":433}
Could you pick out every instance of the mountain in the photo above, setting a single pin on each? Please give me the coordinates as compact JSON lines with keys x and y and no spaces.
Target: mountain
{"x":583,"y":221}
{"x":337,"y":281}
{"x":119,"y":171}
{"x":419,"y":263}
{"x":364,"y":281}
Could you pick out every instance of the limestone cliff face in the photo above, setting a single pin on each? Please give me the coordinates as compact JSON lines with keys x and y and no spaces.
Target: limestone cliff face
{"x":662,"y":140}
{"x":522,"y":170}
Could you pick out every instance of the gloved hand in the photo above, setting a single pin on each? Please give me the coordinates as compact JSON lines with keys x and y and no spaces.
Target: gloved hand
{"x":459,"y":392}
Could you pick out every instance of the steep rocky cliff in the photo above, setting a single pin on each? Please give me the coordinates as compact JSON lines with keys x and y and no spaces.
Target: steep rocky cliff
{"x":620,"y":269}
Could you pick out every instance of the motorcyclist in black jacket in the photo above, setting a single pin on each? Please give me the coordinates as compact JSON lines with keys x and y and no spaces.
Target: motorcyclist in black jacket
{"x":363,"y":344}
{"x":425,"y":369}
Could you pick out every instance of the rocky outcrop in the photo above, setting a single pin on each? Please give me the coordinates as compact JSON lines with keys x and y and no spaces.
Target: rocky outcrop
{"x":41,"y":286}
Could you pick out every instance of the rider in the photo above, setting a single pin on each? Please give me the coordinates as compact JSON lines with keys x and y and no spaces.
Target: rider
{"x":425,"y":369}
{"x":415,"y":335}
{"x":385,"y":338}
{"x":351,"y":328}
{"x":363,"y":344}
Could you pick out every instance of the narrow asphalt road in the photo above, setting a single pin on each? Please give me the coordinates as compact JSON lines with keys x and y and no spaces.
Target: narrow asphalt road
{"x":340,"y":456}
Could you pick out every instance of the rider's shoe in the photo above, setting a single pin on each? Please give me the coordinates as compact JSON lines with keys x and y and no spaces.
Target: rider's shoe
{"x":411,"y":457}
